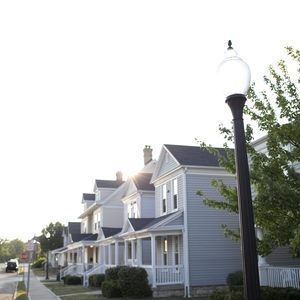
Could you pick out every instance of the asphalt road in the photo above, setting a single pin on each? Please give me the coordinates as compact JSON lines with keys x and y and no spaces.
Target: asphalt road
{"x":8,"y":282}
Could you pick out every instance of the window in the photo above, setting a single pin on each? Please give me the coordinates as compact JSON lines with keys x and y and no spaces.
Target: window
{"x":132,"y":210}
{"x":176,"y":250}
{"x":165,"y":255}
{"x":175,"y":193}
{"x":164,"y":199}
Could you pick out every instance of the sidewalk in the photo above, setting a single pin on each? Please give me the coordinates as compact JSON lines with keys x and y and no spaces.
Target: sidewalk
{"x":37,"y":290}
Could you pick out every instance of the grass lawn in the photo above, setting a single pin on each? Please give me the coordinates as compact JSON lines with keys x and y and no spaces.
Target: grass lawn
{"x":21,"y":291}
{"x":60,"y":289}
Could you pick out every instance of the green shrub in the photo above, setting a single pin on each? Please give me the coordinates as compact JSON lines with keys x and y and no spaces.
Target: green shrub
{"x":65,"y":278}
{"x":234,"y":295}
{"x":38,"y":262}
{"x":91,"y":280}
{"x":112,"y":273}
{"x":98,"y":279}
{"x":110,"y":289}
{"x":58,"y":276}
{"x":276,"y":293}
{"x":72,"y":280}
{"x":133,"y":282}
{"x":218,"y":294}
{"x":234,"y":278}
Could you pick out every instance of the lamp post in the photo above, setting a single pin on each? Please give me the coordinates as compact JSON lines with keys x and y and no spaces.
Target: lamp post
{"x":234,"y":78}
{"x":47,"y":265}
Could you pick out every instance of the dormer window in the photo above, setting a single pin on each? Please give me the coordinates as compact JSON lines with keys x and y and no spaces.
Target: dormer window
{"x":132,"y":210}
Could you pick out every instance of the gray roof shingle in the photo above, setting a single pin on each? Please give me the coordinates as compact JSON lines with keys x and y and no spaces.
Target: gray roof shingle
{"x":108,"y":183}
{"x":109,"y":231}
{"x":142,"y":181}
{"x":195,"y":155}
{"x":90,"y":197}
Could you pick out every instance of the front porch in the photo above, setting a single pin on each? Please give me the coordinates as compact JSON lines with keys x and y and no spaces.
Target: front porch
{"x":159,"y":255}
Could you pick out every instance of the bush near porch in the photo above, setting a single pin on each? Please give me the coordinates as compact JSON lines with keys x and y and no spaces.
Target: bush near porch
{"x":266,"y":292}
{"x":127,"y":282}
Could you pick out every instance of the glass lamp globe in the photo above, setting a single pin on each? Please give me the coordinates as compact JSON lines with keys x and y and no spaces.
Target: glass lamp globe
{"x":233,"y":74}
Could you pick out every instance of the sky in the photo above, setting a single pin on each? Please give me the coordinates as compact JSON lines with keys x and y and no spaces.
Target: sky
{"x":85,"y":85}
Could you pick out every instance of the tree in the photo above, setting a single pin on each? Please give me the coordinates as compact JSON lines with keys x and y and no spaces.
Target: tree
{"x":274,"y":175}
{"x":55,"y":240}
{"x":11,"y":249}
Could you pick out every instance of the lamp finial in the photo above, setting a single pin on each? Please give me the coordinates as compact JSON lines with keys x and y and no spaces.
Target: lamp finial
{"x":229,"y":44}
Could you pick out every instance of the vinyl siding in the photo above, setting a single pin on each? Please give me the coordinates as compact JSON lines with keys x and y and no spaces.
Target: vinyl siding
{"x":146,"y":251}
{"x":211,"y":256}
{"x":167,"y":164}
{"x":112,"y":217}
{"x":147,"y":207}
{"x":280,"y":257}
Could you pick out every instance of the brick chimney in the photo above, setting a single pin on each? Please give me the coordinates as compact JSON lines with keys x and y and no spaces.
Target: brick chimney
{"x":147,"y":154}
{"x":119,"y":175}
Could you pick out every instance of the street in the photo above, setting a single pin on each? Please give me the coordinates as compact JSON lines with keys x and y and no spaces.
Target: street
{"x":8,"y":282}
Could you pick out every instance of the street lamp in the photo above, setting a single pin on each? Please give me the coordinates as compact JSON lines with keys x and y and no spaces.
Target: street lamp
{"x":47,"y":265}
{"x":234,"y":78}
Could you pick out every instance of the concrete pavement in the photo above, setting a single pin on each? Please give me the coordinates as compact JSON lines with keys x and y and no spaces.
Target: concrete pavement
{"x":38,"y":290}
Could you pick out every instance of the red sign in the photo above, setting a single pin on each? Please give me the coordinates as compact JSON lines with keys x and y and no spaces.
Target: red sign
{"x":24,"y":256}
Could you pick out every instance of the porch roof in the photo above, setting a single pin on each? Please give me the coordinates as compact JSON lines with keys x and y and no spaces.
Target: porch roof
{"x":77,"y":237}
{"x":144,"y":223}
{"x":108,"y":231}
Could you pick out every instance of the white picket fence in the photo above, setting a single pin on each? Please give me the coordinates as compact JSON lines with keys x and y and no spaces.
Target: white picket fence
{"x":283,"y":277}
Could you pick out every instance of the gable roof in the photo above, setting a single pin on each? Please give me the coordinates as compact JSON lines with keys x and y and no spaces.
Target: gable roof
{"x":194,"y":155}
{"x":74,"y":227}
{"x":142,"y":181}
{"x":88,"y":197}
{"x":108,"y":183}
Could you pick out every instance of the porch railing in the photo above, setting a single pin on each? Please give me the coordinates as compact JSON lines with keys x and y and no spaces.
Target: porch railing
{"x":67,"y":271}
{"x":283,"y":277}
{"x":98,"y":269}
{"x":169,"y":274}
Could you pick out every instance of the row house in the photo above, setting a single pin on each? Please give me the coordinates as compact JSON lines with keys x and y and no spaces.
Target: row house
{"x":156,"y":220}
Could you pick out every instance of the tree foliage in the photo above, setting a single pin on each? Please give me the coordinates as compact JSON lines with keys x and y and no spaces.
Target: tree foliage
{"x":55,"y":239}
{"x":11,"y":249}
{"x":274,"y":175}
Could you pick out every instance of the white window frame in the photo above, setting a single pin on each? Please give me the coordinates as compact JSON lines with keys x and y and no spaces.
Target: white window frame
{"x":165,"y":250}
{"x":164,"y":199}
{"x":175,"y":193}
{"x":132,"y":210}
{"x":176,"y":251}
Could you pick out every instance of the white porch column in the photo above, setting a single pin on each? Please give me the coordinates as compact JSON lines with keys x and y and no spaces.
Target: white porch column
{"x":133,"y":257}
{"x":83,"y":259}
{"x":100,"y":254}
{"x":262,"y":263}
{"x":109,"y":254}
{"x":153,"y":261}
{"x":126,"y":253}
{"x":139,"y":252}
{"x":117,"y":253}
{"x":104,"y":254}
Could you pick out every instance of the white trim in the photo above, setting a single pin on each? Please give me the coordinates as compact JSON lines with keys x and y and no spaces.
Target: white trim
{"x":185,"y":243}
